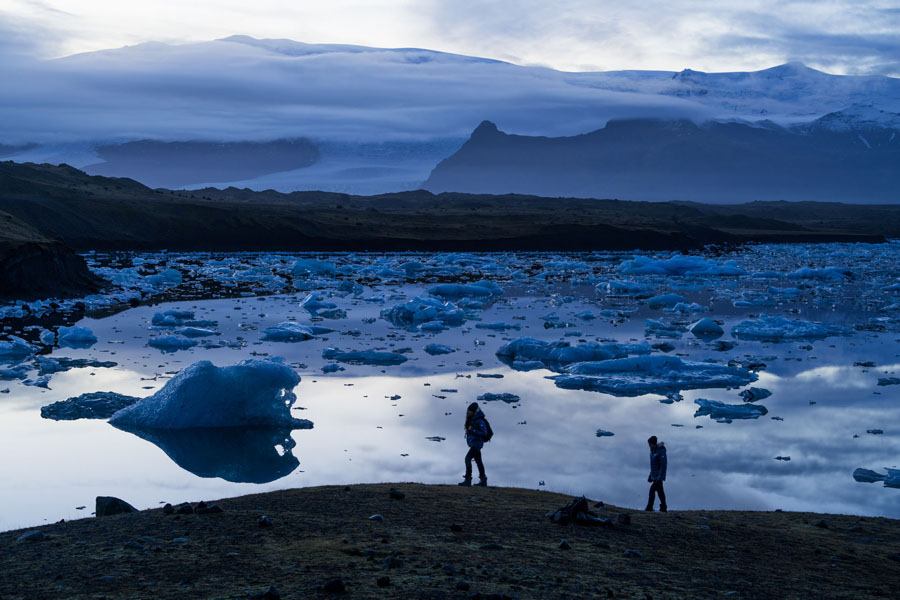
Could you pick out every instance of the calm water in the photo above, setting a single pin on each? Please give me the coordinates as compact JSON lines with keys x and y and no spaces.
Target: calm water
{"x":364,"y":433}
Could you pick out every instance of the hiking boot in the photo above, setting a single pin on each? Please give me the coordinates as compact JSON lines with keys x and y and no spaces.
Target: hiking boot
{"x":482,"y":481}
{"x":663,"y":508}
{"x":649,"y":508}
{"x":466,"y":482}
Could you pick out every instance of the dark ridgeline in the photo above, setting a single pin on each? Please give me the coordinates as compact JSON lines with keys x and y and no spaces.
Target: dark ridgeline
{"x":837,"y":158}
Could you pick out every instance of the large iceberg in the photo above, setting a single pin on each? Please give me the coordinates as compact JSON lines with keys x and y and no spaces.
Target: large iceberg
{"x":252,"y":393}
{"x":555,"y":354}
{"x":781,"y":329}
{"x":640,"y":375}
{"x":679,"y":265}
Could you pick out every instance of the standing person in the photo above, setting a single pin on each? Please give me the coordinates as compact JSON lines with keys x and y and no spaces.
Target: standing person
{"x":476,"y":434}
{"x":657,"y":475}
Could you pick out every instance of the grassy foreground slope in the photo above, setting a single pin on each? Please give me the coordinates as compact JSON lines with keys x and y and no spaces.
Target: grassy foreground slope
{"x":504,"y":546}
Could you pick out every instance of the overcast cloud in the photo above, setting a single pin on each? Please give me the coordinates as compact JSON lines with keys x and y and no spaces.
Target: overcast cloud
{"x":838,"y":36}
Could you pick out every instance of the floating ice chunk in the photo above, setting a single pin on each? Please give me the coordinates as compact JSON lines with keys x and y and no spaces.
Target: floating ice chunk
{"x":679,"y":265}
{"x":76,"y":337}
{"x":93,"y":405}
{"x":288,"y":332}
{"x":867,"y":476}
{"x":522,"y":350}
{"x":42,"y":382}
{"x":309,"y":266}
{"x":527,"y":365}
{"x":193,"y":332}
{"x":831,"y":273}
{"x":364,"y":357}
{"x":625,"y":287}
{"x":721,"y":411}
{"x":604,"y":433}
{"x":314,"y":303}
{"x":478,"y":289}
{"x":660,"y":329}
{"x":586,"y":315}
{"x":15,"y":349}
{"x":436,"y":349}
{"x":505,"y":397}
{"x":640,"y":375}
{"x":351,"y":286}
{"x":252,"y":393}
{"x":171,"y":318}
{"x":47,"y":337}
{"x":166,"y":278}
{"x":333,"y":313}
{"x":706,"y":329}
{"x":665,"y":300}
{"x":498,"y":326}
{"x":48,"y":366}
{"x":171,"y":343}
{"x":754,"y":393}
{"x":781,"y":329}
{"x":433,"y":326}
{"x":332,"y":368}
{"x":685,"y":308}
{"x":883,"y":381}
{"x":893,"y":478}
{"x":16,"y":372}
{"x":424,"y":310}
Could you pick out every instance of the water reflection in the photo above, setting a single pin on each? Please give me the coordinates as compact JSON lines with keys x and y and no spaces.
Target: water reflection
{"x":234,"y":454}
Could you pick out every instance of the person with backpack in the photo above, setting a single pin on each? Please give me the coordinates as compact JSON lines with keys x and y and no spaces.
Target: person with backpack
{"x":658,"y":463}
{"x":478,"y":431}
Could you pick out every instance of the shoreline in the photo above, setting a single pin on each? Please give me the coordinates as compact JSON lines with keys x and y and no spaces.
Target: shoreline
{"x":449,"y":541}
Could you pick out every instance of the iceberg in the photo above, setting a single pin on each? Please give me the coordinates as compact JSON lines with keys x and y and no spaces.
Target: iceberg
{"x":753,"y":394}
{"x":76,"y":337}
{"x":171,"y":343}
{"x":437,"y":349}
{"x":171,"y":318}
{"x":308,"y":266}
{"x":498,"y":326}
{"x":660,"y":329}
{"x":639,"y":375}
{"x":252,"y":393}
{"x":720,"y":411}
{"x":625,"y":287}
{"x":706,"y":329}
{"x":364,"y":357}
{"x":15,"y":349}
{"x":424,"y":310}
{"x":679,"y":265}
{"x":829,"y":273}
{"x":505,"y":397}
{"x":93,"y":405}
{"x":168,"y":277}
{"x":665,"y":301}
{"x":288,"y":332}
{"x":891,"y":478}
{"x":478,"y":289}
{"x":781,"y":329}
{"x":527,"y":350}
{"x":193,"y":332}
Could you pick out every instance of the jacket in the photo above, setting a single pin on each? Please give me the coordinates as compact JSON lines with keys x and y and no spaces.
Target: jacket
{"x":475,"y":438}
{"x":658,"y":463}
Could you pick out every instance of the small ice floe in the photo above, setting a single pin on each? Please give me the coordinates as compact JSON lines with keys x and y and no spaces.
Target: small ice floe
{"x":252,"y":393}
{"x":505,"y":397}
{"x":364,"y":357}
{"x":489,"y":375}
{"x":890,"y":479}
{"x":781,"y":329}
{"x":522,"y":350}
{"x":660,"y":329}
{"x":640,"y":375}
{"x":604,"y":433}
{"x":315,"y":302}
{"x":193,"y":332}
{"x":753,"y":394}
{"x":784,"y":458}
{"x":875,"y":431}
{"x":288,"y":332}
{"x":172,"y":318}
{"x":719,"y":411}
{"x":15,"y":349}
{"x":171,"y":343}
{"x":93,"y":405}
{"x":706,"y":329}
{"x":42,"y":382}
{"x":305,"y":267}
{"x":420,"y":311}
{"x":665,"y":301}
{"x":169,"y":277}
{"x":828,"y":273}
{"x":332,"y":368}
{"x":76,"y":337}
{"x":624,"y":287}
{"x":687,"y":308}
{"x":435,"y":438}
{"x":679,"y":265}
{"x":478,"y":289}
{"x":438,"y":349}
{"x":498,"y":326}
{"x":16,"y":372}
{"x":586,"y":315}
{"x":883,"y":381}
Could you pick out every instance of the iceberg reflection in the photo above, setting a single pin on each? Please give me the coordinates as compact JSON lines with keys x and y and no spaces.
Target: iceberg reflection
{"x":240,"y":455}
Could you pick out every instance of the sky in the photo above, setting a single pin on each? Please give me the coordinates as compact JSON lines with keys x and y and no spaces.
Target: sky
{"x":858,"y":37}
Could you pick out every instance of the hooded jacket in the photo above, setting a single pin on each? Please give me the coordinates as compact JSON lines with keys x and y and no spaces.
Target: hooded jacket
{"x":475,"y":438}
{"x":658,"y":462}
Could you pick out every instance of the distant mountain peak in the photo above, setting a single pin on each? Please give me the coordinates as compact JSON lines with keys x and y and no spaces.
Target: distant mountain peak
{"x":485,"y":128}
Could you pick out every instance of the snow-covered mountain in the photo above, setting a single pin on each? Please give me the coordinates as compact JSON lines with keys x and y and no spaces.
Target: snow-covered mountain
{"x":379,"y":118}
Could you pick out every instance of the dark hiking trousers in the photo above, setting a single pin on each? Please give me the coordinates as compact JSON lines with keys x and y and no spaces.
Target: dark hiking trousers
{"x":476,"y":454}
{"x":657,"y":488}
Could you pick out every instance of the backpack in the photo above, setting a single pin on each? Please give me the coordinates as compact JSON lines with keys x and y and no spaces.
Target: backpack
{"x":490,"y":432}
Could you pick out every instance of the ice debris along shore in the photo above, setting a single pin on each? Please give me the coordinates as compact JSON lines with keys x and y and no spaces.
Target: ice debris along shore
{"x":252,"y":393}
{"x":639,"y":375}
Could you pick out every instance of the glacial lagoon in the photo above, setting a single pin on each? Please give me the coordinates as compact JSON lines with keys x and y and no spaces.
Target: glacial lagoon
{"x":629,"y":344}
